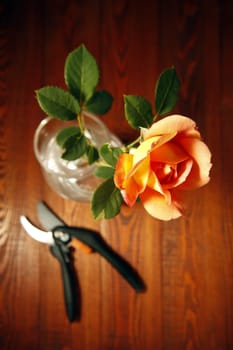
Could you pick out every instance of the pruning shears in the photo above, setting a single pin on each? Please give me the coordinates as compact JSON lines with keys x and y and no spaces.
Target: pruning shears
{"x":60,"y":237}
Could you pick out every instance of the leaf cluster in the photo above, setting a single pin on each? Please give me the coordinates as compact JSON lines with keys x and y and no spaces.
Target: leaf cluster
{"x":107,"y":199}
{"x":81,"y":74}
{"x":138,"y":110}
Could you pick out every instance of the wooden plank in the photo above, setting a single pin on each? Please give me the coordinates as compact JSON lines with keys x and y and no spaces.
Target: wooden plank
{"x":187,"y":264}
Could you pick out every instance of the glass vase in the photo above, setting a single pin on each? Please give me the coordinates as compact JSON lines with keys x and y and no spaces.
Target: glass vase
{"x":70,"y":179}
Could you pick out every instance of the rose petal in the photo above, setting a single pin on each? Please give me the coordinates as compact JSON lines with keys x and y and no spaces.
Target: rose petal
{"x":168,"y":153}
{"x":158,"y":206}
{"x":140,"y":173}
{"x":184,"y":171}
{"x":148,"y":145}
{"x":143,"y":150}
{"x":131,"y":180}
{"x":136,"y":181}
{"x":173,"y":123}
{"x":201,"y":156}
{"x":130,"y":193}
{"x":123,"y":167}
{"x":153,"y":183}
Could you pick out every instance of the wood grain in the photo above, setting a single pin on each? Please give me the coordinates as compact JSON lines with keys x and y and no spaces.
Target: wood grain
{"x":187,"y":264}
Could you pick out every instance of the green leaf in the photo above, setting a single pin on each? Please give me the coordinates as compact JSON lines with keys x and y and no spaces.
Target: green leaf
{"x":57,"y":103}
{"x":166,"y":91}
{"x":66,"y":133}
{"x":138,"y":111}
{"x":92,"y":154}
{"x":100,"y":102}
{"x":75,"y":147}
{"x":81,"y":73}
{"x":106,"y":200}
{"x":110,"y":154}
{"x":104,"y":172}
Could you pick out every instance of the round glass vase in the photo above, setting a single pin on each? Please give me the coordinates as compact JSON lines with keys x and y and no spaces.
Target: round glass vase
{"x":70,"y":179}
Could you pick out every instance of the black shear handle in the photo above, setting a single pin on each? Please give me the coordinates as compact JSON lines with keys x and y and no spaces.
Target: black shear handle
{"x":95,"y":241}
{"x":61,"y":252}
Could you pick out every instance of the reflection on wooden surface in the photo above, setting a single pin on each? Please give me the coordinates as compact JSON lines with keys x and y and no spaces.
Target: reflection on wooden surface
{"x":186,"y":264}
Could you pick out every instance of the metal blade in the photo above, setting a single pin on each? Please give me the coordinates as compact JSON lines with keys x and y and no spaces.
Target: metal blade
{"x":36,"y":233}
{"x":47,"y":218}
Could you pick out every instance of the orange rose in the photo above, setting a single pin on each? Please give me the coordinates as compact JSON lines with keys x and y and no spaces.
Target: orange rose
{"x":170,"y":160}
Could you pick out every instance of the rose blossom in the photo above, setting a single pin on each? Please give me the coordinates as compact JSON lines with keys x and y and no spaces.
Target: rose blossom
{"x":170,"y":160}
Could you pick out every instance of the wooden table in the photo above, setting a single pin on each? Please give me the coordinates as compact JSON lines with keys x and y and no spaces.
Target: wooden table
{"x":187,"y":264}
